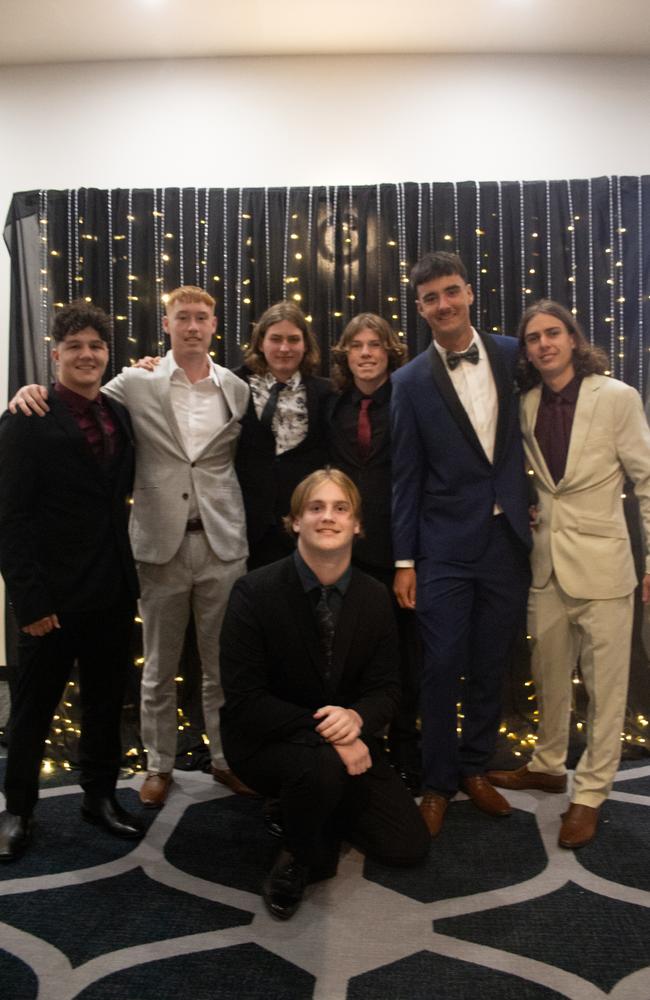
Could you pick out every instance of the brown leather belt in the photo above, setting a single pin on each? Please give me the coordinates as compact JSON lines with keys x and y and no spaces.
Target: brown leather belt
{"x":194,"y":524}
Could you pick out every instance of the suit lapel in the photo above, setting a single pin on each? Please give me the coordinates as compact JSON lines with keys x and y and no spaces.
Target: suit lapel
{"x":65,"y":420}
{"x":302,"y":617}
{"x":529,"y":411}
{"x":345,"y":628}
{"x":585,"y":407}
{"x":450,"y":397}
{"x":165,"y":397}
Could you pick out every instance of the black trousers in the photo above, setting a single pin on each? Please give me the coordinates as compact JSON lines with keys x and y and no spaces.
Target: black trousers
{"x":322,"y":804}
{"x":100,"y":642}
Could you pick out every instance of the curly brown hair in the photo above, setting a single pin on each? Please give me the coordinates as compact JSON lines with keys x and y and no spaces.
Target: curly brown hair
{"x":587,"y":359}
{"x":78,"y":315}
{"x":397,"y":351}
{"x":289,"y":311}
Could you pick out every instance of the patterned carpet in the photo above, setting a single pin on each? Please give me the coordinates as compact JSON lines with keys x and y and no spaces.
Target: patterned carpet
{"x":498,"y":911}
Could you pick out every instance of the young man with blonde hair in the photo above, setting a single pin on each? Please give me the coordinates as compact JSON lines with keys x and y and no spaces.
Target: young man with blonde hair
{"x":308,"y":661}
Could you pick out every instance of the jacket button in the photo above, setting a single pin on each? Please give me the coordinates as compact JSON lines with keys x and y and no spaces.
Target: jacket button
{"x":192,"y":464}
{"x":186,"y":496}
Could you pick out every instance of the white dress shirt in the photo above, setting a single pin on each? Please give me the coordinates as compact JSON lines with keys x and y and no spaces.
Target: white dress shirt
{"x":474,"y":385}
{"x":200,"y":410}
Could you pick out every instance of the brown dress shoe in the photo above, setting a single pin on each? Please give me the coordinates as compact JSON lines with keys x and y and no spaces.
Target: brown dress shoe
{"x":432,"y":810}
{"x":154,"y":790}
{"x":578,"y":826}
{"x":226,"y":777}
{"x":522,"y":778}
{"x":484,"y":795}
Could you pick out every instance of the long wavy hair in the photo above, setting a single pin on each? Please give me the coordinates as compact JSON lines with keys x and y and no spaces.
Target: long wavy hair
{"x":587,"y":359}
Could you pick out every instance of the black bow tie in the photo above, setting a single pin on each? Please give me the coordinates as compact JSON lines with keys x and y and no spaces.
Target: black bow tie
{"x":454,"y":358}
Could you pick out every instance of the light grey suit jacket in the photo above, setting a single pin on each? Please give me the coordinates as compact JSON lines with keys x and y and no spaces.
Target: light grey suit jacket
{"x":165,"y":476}
{"x":582,"y":535}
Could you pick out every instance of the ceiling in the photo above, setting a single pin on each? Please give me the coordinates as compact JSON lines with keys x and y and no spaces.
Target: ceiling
{"x":60,"y":31}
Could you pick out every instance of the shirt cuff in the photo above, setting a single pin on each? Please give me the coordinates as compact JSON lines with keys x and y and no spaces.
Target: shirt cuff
{"x":404,"y":563}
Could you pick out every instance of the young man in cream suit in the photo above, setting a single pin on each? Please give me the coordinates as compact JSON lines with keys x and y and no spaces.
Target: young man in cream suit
{"x":584,"y":433}
{"x":187,"y":527}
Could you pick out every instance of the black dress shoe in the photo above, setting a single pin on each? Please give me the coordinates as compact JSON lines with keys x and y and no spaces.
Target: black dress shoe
{"x":15,"y":834}
{"x":283,"y":887}
{"x":104,"y":811}
{"x":273,"y":818}
{"x":412,"y":780}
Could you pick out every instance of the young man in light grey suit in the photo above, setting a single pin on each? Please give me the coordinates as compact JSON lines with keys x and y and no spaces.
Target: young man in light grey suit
{"x":187,"y":528}
{"x":584,"y":434}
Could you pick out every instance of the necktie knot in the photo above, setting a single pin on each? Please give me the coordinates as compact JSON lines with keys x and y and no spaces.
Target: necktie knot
{"x":454,"y":358}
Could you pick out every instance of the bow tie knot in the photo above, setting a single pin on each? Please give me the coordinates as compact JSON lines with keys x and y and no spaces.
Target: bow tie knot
{"x":454,"y":358}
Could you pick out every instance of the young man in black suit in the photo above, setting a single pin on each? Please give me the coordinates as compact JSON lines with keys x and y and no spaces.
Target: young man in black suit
{"x":67,"y":564}
{"x":358,"y":430}
{"x":308,"y":655}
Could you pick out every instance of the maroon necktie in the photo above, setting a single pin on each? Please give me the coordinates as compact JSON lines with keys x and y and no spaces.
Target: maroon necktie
{"x":364,"y":428}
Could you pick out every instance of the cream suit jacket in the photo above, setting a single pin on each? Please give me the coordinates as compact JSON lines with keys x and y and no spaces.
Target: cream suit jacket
{"x":164,"y":474}
{"x":582,"y":534}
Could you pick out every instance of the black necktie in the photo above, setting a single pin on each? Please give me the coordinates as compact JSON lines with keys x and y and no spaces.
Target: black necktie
{"x":454,"y":358}
{"x":269,"y":409}
{"x":326,"y":624}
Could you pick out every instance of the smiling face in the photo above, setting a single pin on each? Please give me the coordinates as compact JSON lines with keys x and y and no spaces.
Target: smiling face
{"x":327,"y":524}
{"x":191,"y":326}
{"x":549,"y":347}
{"x":283,"y":347}
{"x":444,"y":303}
{"x":81,"y":358}
{"x":367,"y":361}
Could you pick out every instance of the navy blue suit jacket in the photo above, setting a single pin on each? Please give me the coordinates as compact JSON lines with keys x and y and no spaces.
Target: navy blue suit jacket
{"x":444,"y":486}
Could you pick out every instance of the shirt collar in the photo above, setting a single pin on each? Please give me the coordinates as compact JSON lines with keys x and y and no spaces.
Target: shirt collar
{"x":72,"y":399}
{"x":310,"y":581}
{"x":442,"y":351}
{"x":269,"y":380}
{"x":569,"y":394}
{"x":379,"y":396}
{"x":177,"y":374}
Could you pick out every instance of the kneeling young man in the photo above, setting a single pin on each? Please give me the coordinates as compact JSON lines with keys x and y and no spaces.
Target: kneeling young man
{"x":308,"y":662}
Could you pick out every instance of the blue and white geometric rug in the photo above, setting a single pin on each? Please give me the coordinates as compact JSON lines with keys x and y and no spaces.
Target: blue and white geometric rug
{"x":498,"y":911}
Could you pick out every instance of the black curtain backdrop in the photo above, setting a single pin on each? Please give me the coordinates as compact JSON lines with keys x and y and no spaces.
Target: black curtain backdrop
{"x":337,"y":251}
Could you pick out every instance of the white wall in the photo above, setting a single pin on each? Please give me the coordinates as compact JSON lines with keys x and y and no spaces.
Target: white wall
{"x":294,"y":121}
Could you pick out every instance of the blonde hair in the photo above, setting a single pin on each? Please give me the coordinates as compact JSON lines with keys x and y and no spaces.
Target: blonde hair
{"x":189,"y":293}
{"x":305,"y":488}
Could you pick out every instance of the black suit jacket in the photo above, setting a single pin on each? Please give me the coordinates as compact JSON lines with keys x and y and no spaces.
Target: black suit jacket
{"x":372,"y":478}
{"x":273,"y":667}
{"x":63,"y":518}
{"x":267,"y":480}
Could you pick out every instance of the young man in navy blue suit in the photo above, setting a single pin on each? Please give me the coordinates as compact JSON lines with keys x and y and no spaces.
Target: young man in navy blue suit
{"x":460,"y":530}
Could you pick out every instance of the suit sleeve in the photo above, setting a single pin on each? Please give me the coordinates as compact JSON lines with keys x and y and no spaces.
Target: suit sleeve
{"x":21,"y":568}
{"x":408,"y":467}
{"x":379,"y":685}
{"x":117,"y":387}
{"x":250,"y":704}
{"x":633,"y":448}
